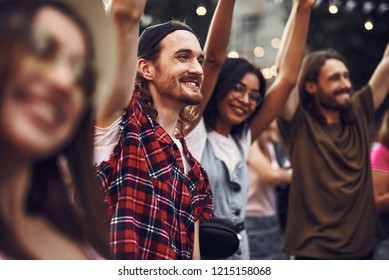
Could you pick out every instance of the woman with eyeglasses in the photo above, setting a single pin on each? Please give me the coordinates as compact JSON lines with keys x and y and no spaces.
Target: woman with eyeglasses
{"x":236,"y":113}
{"x":45,"y":111}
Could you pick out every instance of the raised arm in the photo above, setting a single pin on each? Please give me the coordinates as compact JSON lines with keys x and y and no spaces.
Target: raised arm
{"x":290,"y":59}
{"x":126,"y":15}
{"x":379,"y":81}
{"x":293,"y":100}
{"x":215,"y":50}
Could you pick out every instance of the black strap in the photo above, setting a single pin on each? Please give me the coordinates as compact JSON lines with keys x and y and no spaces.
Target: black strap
{"x":239,"y":227}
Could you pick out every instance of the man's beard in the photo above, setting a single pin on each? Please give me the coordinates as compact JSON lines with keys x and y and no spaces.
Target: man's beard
{"x":330,"y":103}
{"x":169,"y":88}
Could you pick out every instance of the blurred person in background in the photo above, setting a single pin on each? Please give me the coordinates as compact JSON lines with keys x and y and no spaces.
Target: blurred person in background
{"x":47,"y":83}
{"x":380,"y":166}
{"x":262,"y":222}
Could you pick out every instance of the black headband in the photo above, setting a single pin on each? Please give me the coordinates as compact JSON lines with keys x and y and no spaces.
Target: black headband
{"x":152,"y":35}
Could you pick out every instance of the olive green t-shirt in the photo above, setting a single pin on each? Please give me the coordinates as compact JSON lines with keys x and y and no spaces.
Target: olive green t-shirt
{"x":331,"y":212}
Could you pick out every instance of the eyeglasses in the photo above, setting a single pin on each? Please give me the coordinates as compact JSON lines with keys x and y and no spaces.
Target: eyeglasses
{"x":254,"y":95}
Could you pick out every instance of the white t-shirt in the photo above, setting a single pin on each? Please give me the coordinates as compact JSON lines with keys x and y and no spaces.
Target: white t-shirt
{"x":105,"y":140}
{"x":225,"y":148}
{"x":185,"y":160}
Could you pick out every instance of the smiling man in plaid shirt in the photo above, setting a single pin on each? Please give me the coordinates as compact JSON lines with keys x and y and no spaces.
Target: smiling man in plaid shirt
{"x":157,"y":193}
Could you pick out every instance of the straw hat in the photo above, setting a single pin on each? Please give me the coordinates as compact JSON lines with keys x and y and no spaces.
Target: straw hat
{"x":96,"y":13}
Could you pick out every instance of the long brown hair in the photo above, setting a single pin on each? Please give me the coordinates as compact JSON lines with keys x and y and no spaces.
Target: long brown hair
{"x":48,"y":194}
{"x":310,"y":72}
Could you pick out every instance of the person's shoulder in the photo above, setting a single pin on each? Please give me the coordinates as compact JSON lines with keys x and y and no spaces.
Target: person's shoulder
{"x":362,"y":100}
{"x":363,"y":95}
{"x":295,"y":121}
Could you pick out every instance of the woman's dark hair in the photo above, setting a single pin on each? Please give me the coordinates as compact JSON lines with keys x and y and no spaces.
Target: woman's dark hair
{"x":48,"y":194}
{"x":231,"y":73}
{"x":310,"y":72}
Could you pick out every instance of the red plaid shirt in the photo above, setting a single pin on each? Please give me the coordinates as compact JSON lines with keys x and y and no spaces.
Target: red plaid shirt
{"x":152,"y":203}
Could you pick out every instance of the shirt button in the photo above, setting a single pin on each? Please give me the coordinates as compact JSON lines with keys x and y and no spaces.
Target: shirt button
{"x":237,"y":188}
{"x":237,"y":212}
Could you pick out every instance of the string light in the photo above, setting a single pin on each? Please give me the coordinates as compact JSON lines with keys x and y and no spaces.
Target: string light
{"x":372,"y":10}
{"x":368,"y":7}
{"x":333,"y":9}
{"x":273,"y":71}
{"x":201,"y":10}
{"x":259,"y":52}
{"x":146,"y":20}
{"x":275,"y":43}
{"x":233,"y":54}
{"x":383,"y":8}
{"x":369,"y":25}
{"x":266,"y":73}
{"x":333,"y":6}
{"x":350,"y":6}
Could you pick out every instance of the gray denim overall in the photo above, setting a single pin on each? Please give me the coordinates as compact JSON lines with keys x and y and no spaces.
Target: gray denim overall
{"x":230,"y":191}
